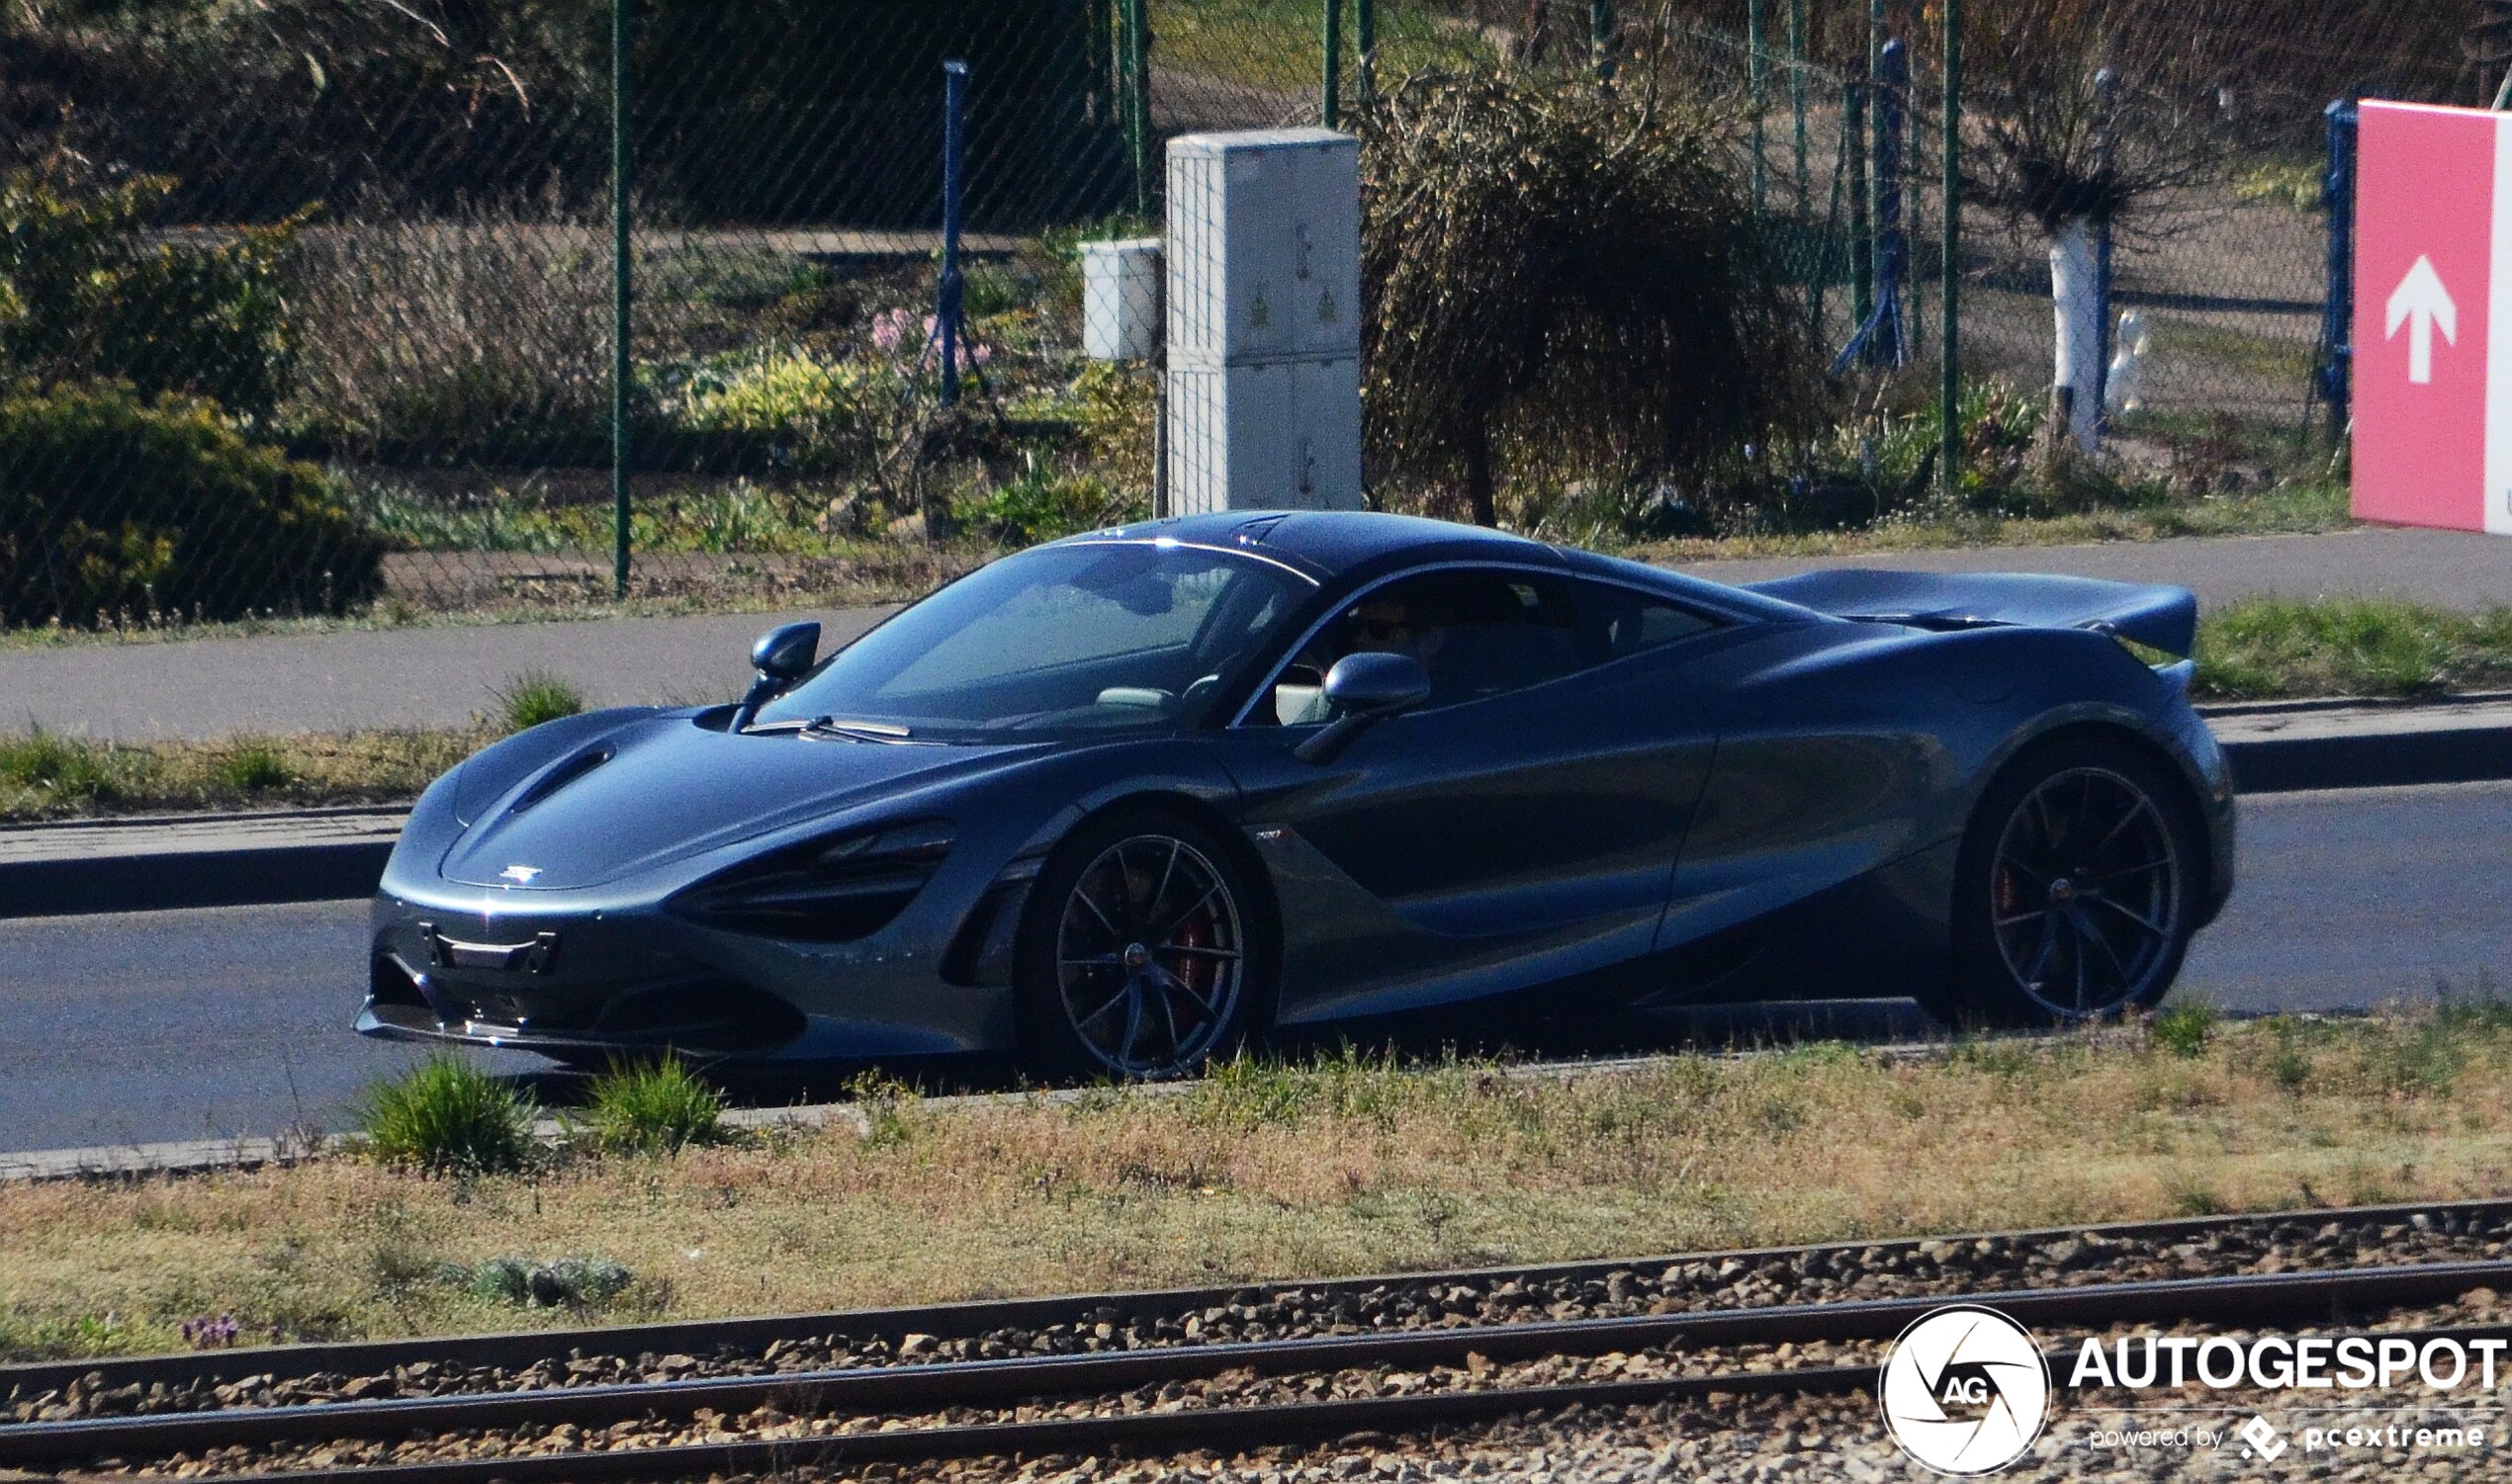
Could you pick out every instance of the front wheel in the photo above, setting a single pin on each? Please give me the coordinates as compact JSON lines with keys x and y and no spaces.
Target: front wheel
{"x":2077,"y":890}
{"x":1142,"y":957}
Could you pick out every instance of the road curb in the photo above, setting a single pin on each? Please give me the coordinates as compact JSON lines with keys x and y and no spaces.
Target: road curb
{"x":2292,"y":746}
{"x":154,"y":864}
{"x":2398,"y":760}
{"x":89,"y":866}
{"x":262,"y":877}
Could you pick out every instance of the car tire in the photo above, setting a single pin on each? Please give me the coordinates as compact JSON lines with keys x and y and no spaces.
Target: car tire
{"x":1146,"y":951}
{"x":2076,"y":891}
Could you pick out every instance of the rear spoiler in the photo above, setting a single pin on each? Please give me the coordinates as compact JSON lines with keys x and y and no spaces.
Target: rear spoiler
{"x":2160,"y":618}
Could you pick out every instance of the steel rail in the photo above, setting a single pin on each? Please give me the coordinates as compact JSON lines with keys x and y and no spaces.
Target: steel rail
{"x":1138,"y":1433}
{"x":2333,"y":1294}
{"x":1131,"y":1432}
{"x":706,"y":1336}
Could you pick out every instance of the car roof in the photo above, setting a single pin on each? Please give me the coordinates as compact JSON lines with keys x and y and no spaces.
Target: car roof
{"x":1328,"y":543}
{"x":1331,"y":542}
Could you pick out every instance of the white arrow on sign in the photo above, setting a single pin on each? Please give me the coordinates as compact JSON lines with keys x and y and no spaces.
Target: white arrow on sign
{"x":2421,"y":302}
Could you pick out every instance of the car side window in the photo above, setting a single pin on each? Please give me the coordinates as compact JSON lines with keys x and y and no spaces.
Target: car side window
{"x":1480,"y":633}
{"x":1618,"y":622}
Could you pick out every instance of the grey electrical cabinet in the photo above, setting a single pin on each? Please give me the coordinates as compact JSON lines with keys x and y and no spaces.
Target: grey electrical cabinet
{"x":1263,"y":321}
{"x":1120,"y":300}
{"x":1279,"y":435}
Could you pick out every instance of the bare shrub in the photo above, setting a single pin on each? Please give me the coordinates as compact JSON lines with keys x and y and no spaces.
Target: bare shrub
{"x":1564,"y":275}
{"x":479,"y":335}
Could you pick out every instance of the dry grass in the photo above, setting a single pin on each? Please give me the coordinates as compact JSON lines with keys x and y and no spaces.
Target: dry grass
{"x":1265,"y":1173}
{"x":47,"y":776}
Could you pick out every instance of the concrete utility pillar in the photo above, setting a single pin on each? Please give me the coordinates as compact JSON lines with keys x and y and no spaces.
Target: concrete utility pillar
{"x":1263,"y":410}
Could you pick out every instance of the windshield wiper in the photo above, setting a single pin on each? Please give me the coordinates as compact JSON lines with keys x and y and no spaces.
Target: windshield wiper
{"x":871,"y":731}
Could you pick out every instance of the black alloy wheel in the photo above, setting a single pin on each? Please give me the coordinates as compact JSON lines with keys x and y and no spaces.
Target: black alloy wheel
{"x":1141,"y":964}
{"x":2077,"y":890}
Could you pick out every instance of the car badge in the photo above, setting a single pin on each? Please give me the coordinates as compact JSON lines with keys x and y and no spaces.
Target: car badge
{"x":519,"y":875}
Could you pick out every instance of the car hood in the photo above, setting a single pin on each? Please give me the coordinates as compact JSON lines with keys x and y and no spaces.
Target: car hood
{"x":664,"y":788}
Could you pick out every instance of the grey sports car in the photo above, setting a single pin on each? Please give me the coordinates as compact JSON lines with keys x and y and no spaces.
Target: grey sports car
{"x":1119,"y":802}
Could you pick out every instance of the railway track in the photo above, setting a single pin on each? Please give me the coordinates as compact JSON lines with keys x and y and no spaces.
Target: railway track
{"x":747,"y":1414}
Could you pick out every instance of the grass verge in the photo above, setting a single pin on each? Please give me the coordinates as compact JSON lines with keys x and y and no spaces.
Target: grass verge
{"x":44,"y":775}
{"x":2297,"y":509}
{"x":2350,"y":646}
{"x":1342,"y":1167}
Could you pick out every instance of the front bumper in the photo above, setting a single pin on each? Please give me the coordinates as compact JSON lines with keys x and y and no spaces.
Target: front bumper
{"x":579,"y":982}
{"x":441,"y":1000}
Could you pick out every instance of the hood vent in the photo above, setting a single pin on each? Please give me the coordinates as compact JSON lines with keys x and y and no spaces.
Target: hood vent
{"x":561,"y":774}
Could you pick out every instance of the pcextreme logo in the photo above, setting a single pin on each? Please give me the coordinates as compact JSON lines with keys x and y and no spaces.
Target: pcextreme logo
{"x":1965,"y":1390}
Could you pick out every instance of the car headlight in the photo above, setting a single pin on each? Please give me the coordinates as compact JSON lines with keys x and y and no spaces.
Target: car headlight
{"x":828,"y":891}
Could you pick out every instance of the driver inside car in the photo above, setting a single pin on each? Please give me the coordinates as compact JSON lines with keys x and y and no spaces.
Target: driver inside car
{"x":1394,"y":624}
{"x":1390,"y":622}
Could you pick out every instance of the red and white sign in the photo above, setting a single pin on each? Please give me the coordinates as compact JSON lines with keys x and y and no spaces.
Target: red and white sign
{"x":2433,"y":317}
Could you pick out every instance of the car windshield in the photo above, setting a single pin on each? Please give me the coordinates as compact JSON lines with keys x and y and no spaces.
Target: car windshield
{"x":1071,"y":639}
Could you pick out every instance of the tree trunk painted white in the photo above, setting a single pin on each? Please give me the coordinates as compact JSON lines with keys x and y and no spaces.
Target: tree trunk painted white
{"x":2076,"y":298}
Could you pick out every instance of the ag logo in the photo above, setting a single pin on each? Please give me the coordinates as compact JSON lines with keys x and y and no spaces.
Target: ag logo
{"x":1965,"y":1390}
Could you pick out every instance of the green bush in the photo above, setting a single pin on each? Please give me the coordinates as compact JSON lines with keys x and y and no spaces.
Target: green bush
{"x":112,"y":502}
{"x":85,"y":293}
{"x":537,"y":696}
{"x":1041,"y":506}
{"x":806,"y":412}
{"x":2182,"y":1027}
{"x":253,"y":767}
{"x":654,"y":1107}
{"x":48,"y":762}
{"x":446,"y":1116}
{"x":570,"y":1281}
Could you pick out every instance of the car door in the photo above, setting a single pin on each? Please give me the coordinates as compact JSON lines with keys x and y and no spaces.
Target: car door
{"x":1816,"y":865}
{"x":1520,"y":827}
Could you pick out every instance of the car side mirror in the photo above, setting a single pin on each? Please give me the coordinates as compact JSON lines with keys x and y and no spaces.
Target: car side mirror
{"x":1362,"y":689}
{"x":785,"y":654}
{"x":1373,"y":681}
{"x":782,"y":655}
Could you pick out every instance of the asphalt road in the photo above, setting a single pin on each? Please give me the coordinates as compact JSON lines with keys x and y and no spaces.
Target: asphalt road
{"x":440,"y":676}
{"x":191,"y":1025}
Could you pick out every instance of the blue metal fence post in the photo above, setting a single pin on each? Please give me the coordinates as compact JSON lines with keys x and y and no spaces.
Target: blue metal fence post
{"x":1854,"y":123}
{"x":1883,"y":337}
{"x":2105,"y":112}
{"x":2337,"y":322}
{"x":1890,"y":346}
{"x":946,"y":306}
{"x":622,"y":366}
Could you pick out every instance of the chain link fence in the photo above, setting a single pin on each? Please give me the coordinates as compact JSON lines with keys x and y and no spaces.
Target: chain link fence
{"x":312,"y":306}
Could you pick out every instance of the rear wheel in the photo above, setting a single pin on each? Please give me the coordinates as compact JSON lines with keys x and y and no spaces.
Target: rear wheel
{"x":1141,"y":955}
{"x":2077,"y":890}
